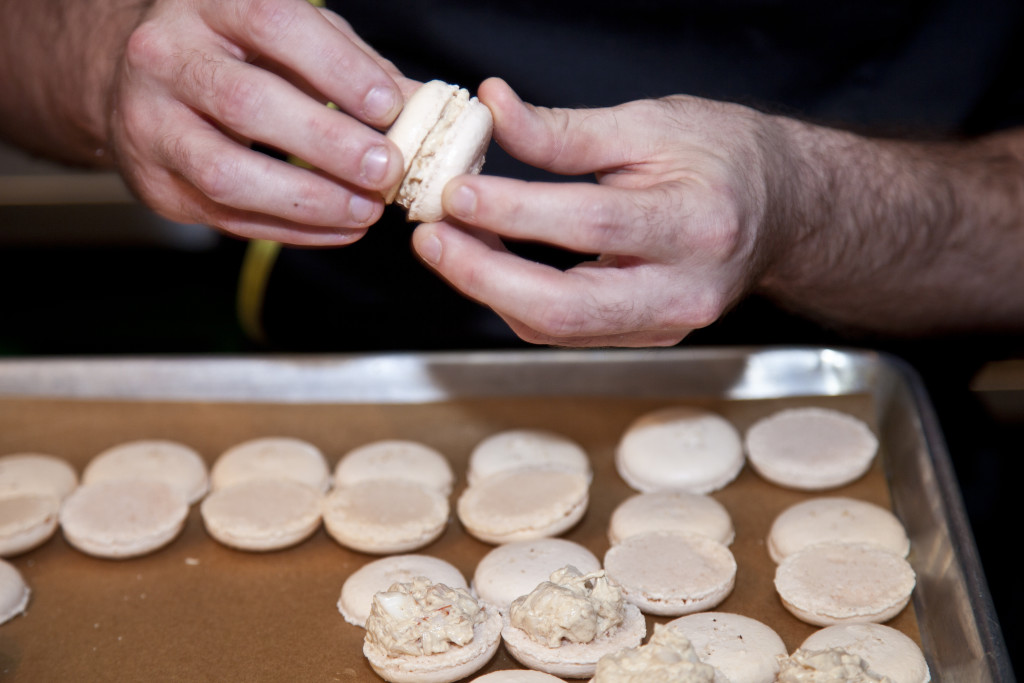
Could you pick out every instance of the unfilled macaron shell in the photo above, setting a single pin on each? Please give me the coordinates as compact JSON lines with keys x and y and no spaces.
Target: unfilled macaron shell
{"x":262,"y":514}
{"x":574,"y":660}
{"x":14,"y":592}
{"x":835,"y":519}
{"x":742,"y":650}
{"x":169,"y":461}
{"x":359,"y":588}
{"x":832,"y":583}
{"x":523,"y":504}
{"x":455,"y":664}
{"x":517,"y":676}
{"x":381,"y":516}
{"x":671,"y":511}
{"x":27,"y":520}
{"x":682,"y":448}
{"x":519,"y":448}
{"x":514,"y":569}
{"x":123,"y":518}
{"x":810,"y":449}
{"x":395,"y":458}
{"x":270,"y":458}
{"x":671,"y":573}
{"x":886,"y":651}
{"x":37,"y":473}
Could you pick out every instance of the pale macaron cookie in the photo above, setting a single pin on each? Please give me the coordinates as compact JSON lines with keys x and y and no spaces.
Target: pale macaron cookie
{"x":521,"y":448}
{"x":835,"y":519}
{"x":511,"y":570}
{"x":672,"y":573}
{"x":272,"y":457}
{"x":876,"y":584}
{"x":517,"y":676}
{"x":395,"y":458}
{"x":37,"y":473}
{"x":122,"y":518}
{"x":886,"y":651}
{"x":261,"y":515}
{"x":523,"y":504}
{"x":357,"y":592}
{"x":14,"y":592}
{"x":382,"y":516}
{"x":741,"y":649}
{"x":810,"y":449}
{"x":161,"y":459}
{"x":671,"y":511}
{"x":27,"y":520}
{"x":683,"y":448}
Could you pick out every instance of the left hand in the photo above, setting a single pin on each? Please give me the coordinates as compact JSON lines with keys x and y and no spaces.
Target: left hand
{"x":681,"y":217}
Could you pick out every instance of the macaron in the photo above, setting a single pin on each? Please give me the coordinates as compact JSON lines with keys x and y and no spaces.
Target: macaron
{"x":261,"y":514}
{"x":442,"y":132}
{"x":523,"y":504}
{"x":671,"y":573}
{"x":834,"y":583}
{"x":810,"y":449}
{"x":681,"y":447}
{"x":886,"y":651}
{"x":517,"y":676}
{"x":523,"y":448}
{"x":27,"y":520}
{"x":380,"y":516}
{"x":175,"y":463}
{"x":36,"y":473}
{"x":373,"y":577}
{"x":14,"y":592}
{"x":269,"y":458}
{"x":514,"y":569}
{"x":834,"y":518}
{"x":395,"y":458}
{"x":671,"y":511}
{"x":741,"y":649}
{"x":122,"y":518}
{"x":668,"y":657}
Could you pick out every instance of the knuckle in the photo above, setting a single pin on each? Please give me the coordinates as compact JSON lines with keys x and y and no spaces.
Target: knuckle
{"x":241,"y":100}
{"x":599,"y":224}
{"x":147,"y":49}
{"x":215,"y":178}
{"x":268,"y":20}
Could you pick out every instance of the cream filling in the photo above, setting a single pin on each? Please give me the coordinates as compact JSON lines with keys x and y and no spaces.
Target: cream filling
{"x":432,"y":143}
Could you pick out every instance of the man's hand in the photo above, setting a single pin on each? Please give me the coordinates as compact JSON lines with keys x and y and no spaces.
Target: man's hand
{"x":672,"y":228}
{"x":200,"y":81}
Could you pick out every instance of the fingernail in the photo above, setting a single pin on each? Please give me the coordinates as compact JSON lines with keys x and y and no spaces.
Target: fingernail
{"x":463,"y":202}
{"x":374,"y":167}
{"x":361,"y":209}
{"x":380,"y":103}
{"x":430,"y":250}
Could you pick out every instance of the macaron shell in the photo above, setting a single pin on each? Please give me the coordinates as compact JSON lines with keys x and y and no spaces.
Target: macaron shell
{"x":269,"y":458}
{"x":357,"y":592}
{"x":175,"y":463}
{"x":671,"y":511}
{"x":27,"y":520}
{"x":831,"y":519}
{"x":37,"y":473}
{"x":381,"y":516}
{"x":262,"y":514}
{"x":514,"y":569}
{"x":395,"y":458}
{"x":887,"y":651}
{"x":574,"y":660}
{"x":742,"y":649}
{"x":876,"y":584}
{"x":14,"y":592}
{"x":810,"y":449}
{"x":418,"y":116}
{"x":455,"y":664}
{"x":672,"y":573}
{"x":518,"y":448}
{"x":683,"y":448}
{"x":517,"y":676}
{"x":520,"y":505}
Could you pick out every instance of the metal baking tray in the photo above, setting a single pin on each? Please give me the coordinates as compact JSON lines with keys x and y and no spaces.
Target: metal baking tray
{"x":958,"y":626}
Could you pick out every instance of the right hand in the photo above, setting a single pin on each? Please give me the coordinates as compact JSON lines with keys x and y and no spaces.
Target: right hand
{"x":201,"y":81}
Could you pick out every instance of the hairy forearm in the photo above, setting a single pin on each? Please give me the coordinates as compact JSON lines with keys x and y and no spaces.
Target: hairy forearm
{"x":57,"y":64}
{"x":901,"y":237}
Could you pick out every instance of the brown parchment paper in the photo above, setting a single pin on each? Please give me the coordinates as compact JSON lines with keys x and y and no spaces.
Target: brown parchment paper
{"x":198,"y":611}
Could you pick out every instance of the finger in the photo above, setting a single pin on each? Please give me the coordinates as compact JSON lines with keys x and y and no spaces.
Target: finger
{"x":567,"y":141}
{"x":642,"y":339}
{"x":582,"y":217}
{"x":579,"y":303}
{"x":297,"y":35}
{"x":258,"y":105}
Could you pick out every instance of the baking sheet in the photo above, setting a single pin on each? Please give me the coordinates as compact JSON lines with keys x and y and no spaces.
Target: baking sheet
{"x":198,"y":611}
